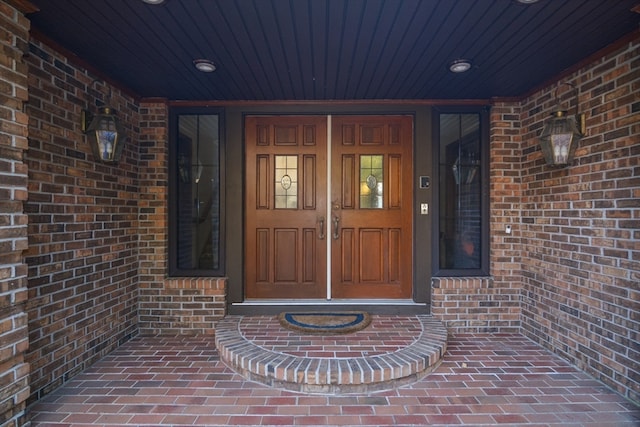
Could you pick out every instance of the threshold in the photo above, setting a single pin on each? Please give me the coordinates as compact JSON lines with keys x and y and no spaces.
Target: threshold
{"x":373,"y":306}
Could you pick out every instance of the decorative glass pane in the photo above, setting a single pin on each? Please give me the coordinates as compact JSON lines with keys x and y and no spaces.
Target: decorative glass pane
{"x":460,"y":191}
{"x":198,"y":192}
{"x":286,"y":185}
{"x":371,"y":181}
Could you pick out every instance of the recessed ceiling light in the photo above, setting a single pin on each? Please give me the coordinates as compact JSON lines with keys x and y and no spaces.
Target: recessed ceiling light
{"x":527,"y":1}
{"x":459,"y":66}
{"x":204,"y":65}
{"x":154,"y":1}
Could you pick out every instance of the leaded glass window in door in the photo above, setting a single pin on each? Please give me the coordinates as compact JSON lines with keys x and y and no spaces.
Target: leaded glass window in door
{"x":371,"y":181}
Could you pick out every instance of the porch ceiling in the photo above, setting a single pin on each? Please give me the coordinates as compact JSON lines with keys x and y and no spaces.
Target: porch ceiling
{"x":332,"y":49}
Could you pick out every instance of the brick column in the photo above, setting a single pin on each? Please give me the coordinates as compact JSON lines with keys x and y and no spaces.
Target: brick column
{"x":14,"y":376}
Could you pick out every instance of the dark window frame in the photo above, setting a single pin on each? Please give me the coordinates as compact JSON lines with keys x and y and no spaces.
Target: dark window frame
{"x":173,"y":136}
{"x":483,"y":113}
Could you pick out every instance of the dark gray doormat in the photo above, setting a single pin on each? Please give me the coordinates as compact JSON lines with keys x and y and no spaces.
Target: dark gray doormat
{"x":341,"y":322}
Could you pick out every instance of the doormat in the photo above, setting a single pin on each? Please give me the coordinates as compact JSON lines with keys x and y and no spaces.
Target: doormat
{"x":343,"y":322}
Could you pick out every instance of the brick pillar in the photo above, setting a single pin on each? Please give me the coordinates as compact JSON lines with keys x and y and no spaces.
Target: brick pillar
{"x":14,"y":372}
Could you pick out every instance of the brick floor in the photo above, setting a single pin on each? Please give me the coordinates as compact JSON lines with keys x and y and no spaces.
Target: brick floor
{"x":484,"y":379}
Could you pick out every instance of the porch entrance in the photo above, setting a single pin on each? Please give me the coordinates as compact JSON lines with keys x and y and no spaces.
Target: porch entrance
{"x":328,"y":214}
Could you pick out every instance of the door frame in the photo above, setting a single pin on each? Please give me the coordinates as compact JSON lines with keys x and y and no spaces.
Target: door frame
{"x":422,"y":166}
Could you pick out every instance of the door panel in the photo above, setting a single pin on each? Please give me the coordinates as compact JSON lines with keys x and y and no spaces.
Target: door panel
{"x":285,"y":248}
{"x":371,"y":209}
{"x":370,"y":255}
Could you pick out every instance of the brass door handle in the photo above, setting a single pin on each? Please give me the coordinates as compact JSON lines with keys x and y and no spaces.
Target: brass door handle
{"x":336,"y":228}
{"x":321,"y":234}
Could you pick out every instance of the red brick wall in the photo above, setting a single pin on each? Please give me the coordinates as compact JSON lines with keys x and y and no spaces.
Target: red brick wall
{"x":14,"y":374}
{"x":581,"y":226}
{"x":83,"y":223}
{"x":98,"y":233}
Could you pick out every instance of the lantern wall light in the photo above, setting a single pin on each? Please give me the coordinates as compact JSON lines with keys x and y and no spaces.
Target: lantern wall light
{"x":561,"y":133}
{"x":105,"y":133}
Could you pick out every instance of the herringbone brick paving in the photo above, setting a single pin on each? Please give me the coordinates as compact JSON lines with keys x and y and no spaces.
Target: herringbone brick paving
{"x":484,"y":379}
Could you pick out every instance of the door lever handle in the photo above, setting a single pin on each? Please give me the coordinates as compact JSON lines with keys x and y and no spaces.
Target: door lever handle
{"x":321,"y":234}
{"x":336,"y":228}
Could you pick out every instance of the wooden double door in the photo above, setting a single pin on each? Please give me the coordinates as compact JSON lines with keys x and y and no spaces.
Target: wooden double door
{"x":328,"y":207}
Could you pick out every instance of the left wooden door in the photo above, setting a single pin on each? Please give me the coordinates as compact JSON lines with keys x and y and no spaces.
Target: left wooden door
{"x":285,"y":205}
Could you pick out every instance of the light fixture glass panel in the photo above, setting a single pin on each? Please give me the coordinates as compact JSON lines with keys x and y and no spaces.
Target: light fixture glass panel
{"x":371,"y":181}
{"x":106,"y":139}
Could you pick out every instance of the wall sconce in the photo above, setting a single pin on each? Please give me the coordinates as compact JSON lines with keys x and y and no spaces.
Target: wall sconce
{"x":105,"y":133}
{"x":560,"y":135}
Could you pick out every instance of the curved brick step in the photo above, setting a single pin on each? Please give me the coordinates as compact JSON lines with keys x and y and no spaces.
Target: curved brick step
{"x":302,"y":370}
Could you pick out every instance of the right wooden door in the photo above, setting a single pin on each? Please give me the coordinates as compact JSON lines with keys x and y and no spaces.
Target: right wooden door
{"x":371,"y":207}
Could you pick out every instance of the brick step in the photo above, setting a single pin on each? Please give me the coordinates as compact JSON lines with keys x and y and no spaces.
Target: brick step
{"x":385,"y":355}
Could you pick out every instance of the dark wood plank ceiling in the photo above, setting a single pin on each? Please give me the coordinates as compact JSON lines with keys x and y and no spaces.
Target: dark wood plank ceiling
{"x":333,"y":49}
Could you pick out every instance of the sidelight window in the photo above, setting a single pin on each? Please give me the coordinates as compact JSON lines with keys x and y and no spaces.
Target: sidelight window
{"x":195,"y":193}
{"x":462,"y":197}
